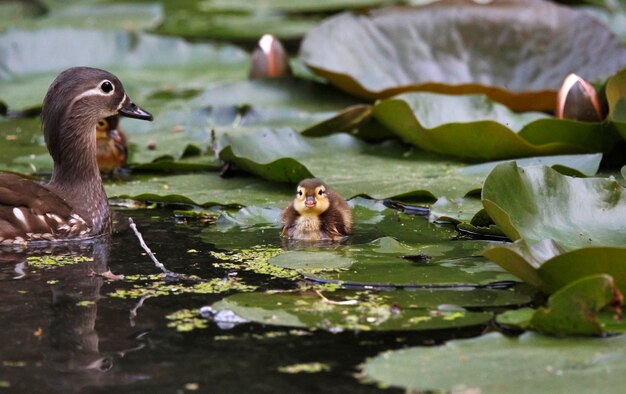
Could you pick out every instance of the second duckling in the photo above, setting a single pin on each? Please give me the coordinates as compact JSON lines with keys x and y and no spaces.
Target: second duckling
{"x":112,"y":149}
{"x":316,"y":214}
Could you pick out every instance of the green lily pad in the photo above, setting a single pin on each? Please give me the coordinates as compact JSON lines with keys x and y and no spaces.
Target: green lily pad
{"x":574,"y":309}
{"x":202,"y":189}
{"x":431,"y":265}
{"x":434,"y":48}
{"x":131,"y":17}
{"x":311,"y":260}
{"x":309,"y":310}
{"x":249,"y":20}
{"x":538,"y":203}
{"x":385,"y":170}
{"x":482,"y":129}
{"x":144,"y":62}
{"x":495,"y":363}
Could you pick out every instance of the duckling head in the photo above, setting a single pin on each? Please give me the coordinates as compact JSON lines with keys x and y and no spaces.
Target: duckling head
{"x":311,"y":198}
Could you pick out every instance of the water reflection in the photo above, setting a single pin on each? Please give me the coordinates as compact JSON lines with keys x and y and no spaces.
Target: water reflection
{"x":50,"y":305}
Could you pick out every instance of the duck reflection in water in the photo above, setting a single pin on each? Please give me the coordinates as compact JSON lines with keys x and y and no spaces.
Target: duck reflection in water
{"x":50,"y":312}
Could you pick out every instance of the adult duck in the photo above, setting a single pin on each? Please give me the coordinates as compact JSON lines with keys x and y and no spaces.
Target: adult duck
{"x":73,"y":205}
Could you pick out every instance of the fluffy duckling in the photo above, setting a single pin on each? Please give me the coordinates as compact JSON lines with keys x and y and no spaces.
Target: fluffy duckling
{"x":73,"y":205}
{"x":316,"y":214}
{"x":112,"y":149}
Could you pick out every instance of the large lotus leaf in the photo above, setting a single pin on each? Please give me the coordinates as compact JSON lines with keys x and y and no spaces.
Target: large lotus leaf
{"x":249,"y":20}
{"x":310,"y":310}
{"x":612,"y":14}
{"x":538,"y":203}
{"x":456,"y":210}
{"x":29,"y":61}
{"x":548,"y":267}
{"x":461,"y":47}
{"x":377,"y":170}
{"x":481,"y":129}
{"x":495,"y":363}
{"x":272,"y":102}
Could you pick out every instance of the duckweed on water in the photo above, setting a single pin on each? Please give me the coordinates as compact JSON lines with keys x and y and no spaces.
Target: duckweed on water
{"x":255,"y":260}
{"x":186,"y":320}
{"x":306,"y":368}
{"x":48,"y":262}
{"x":163,"y":288}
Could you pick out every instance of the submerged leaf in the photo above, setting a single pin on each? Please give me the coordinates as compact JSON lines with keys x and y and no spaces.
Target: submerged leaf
{"x":370,"y":312}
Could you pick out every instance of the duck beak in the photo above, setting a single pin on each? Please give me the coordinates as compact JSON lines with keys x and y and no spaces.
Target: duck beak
{"x":131,"y":110}
{"x":310,"y":201}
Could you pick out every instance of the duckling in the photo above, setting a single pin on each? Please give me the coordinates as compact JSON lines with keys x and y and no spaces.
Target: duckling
{"x":269,"y":59}
{"x":73,"y":205}
{"x":316,"y":214}
{"x":112,"y":149}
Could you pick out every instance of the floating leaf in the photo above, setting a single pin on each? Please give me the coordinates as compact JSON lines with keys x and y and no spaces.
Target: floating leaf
{"x":463,"y":47}
{"x":249,"y":20}
{"x":481,"y":129}
{"x":203,"y":189}
{"x":494,"y":363}
{"x":384,"y":170}
{"x":310,"y":310}
{"x":30,"y":60}
{"x":538,"y":203}
{"x":574,"y":309}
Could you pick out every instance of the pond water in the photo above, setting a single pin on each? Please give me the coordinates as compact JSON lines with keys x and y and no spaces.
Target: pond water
{"x":63,"y":331}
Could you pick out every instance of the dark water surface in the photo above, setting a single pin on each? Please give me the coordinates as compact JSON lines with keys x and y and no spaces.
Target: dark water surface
{"x":61,"y":332}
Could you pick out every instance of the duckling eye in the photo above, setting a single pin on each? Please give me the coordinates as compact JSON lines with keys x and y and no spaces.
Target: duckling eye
{"x":321,"y":192}
{"x":299,"y":193}
{"x":101,"y":123}
{"x":106,"y":87}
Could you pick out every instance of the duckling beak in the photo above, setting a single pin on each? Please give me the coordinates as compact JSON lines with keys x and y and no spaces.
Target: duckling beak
{"x":310,"y":201}
{"x":129,"y":109}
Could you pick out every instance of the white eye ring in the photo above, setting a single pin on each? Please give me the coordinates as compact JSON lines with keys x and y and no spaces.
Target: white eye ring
{"x":107,"y":87}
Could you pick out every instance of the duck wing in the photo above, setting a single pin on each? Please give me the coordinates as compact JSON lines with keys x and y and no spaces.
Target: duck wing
{"x":29,"y":211}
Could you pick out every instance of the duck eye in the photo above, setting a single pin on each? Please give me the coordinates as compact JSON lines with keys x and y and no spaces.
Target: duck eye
{"x":300,"y":193}
{"x":106,"y":87}
{"x":321,"y":192}
{"x":101,"y":123}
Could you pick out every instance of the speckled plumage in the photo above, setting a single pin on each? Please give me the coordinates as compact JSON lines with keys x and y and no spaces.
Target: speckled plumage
{"x":333,"y":221}
{"x":73,"y":205}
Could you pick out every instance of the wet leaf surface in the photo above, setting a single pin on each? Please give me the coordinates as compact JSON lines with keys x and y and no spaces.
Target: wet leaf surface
{"x":308,"y":310}
{"x":576,"y":309}
{"x":495,"y":363}
{"x":484,"y":130}
{"x":434,"y":48}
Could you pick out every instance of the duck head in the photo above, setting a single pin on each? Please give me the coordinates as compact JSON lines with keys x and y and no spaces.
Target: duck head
{"x":77,"y":99}
{"x":311,"y":197}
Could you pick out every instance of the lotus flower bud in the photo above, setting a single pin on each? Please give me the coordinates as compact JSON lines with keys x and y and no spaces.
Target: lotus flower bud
{"x":578,"y":100}
{"x":269,"y":59}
